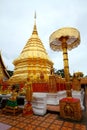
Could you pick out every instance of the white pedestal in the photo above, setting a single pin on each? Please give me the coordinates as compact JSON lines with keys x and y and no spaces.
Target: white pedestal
{"x":52,"y":99}
{"x":39,"y":103}
{"x":80,"y":95}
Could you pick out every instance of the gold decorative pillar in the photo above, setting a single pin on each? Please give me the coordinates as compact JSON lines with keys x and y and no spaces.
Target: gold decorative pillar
{"x":66,"y":65}
{"x":62,"y":40}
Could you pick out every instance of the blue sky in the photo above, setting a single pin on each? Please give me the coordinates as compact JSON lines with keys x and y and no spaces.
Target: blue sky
{"x":16,"y":25}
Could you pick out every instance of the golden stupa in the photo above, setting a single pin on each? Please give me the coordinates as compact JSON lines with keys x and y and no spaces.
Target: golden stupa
{"x":33,"y":62}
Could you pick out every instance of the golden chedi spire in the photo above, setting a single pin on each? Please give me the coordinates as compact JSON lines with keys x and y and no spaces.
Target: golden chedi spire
{"x":32,"y":61}
{"x":35,"y":28}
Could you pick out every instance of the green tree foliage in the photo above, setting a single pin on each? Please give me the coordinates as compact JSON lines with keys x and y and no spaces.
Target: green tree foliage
{"x":10,"y":72}
{"x":60,"y":72}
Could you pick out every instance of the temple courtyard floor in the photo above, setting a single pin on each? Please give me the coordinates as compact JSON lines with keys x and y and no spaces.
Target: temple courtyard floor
{"x":49,"y":121}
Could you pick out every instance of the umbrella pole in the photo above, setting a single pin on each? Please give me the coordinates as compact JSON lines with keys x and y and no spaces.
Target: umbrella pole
{"x":66,"y":66}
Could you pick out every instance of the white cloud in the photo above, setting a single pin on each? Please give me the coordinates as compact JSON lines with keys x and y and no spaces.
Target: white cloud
{"x":16,"y":25}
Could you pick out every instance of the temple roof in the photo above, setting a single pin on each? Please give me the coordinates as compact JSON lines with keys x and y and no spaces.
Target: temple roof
{"x":3,"y":70}
{"x":84,"y":80}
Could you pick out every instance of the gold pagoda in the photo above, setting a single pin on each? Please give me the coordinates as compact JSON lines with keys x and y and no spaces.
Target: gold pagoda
{"x":33,"y":62}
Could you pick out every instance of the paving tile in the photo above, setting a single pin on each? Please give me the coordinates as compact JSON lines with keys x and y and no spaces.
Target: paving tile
{"x":40,"y":128}
{"x":55,"y":127}
{"x":68,"y":124}
{"x":58,"y":122}
{"x":13,"y":123}
{"x":45,"y":124}
{"x":29,"y":127}
{"x":41,"y":118}
{"x":80,"y":127}
{"x":6,"y":121}
{"x":49,"y":120}
{"x":14,"y":128}
{"x":21,"y":125}
{"x":36,"y":122}
{"x":27,"y":120}
{"x":66,"y":128}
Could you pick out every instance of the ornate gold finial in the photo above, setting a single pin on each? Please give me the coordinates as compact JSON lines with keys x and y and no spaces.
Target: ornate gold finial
{"x":35,"y":18}
{"x":35,"y":15}
{"x":35,"y":28}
